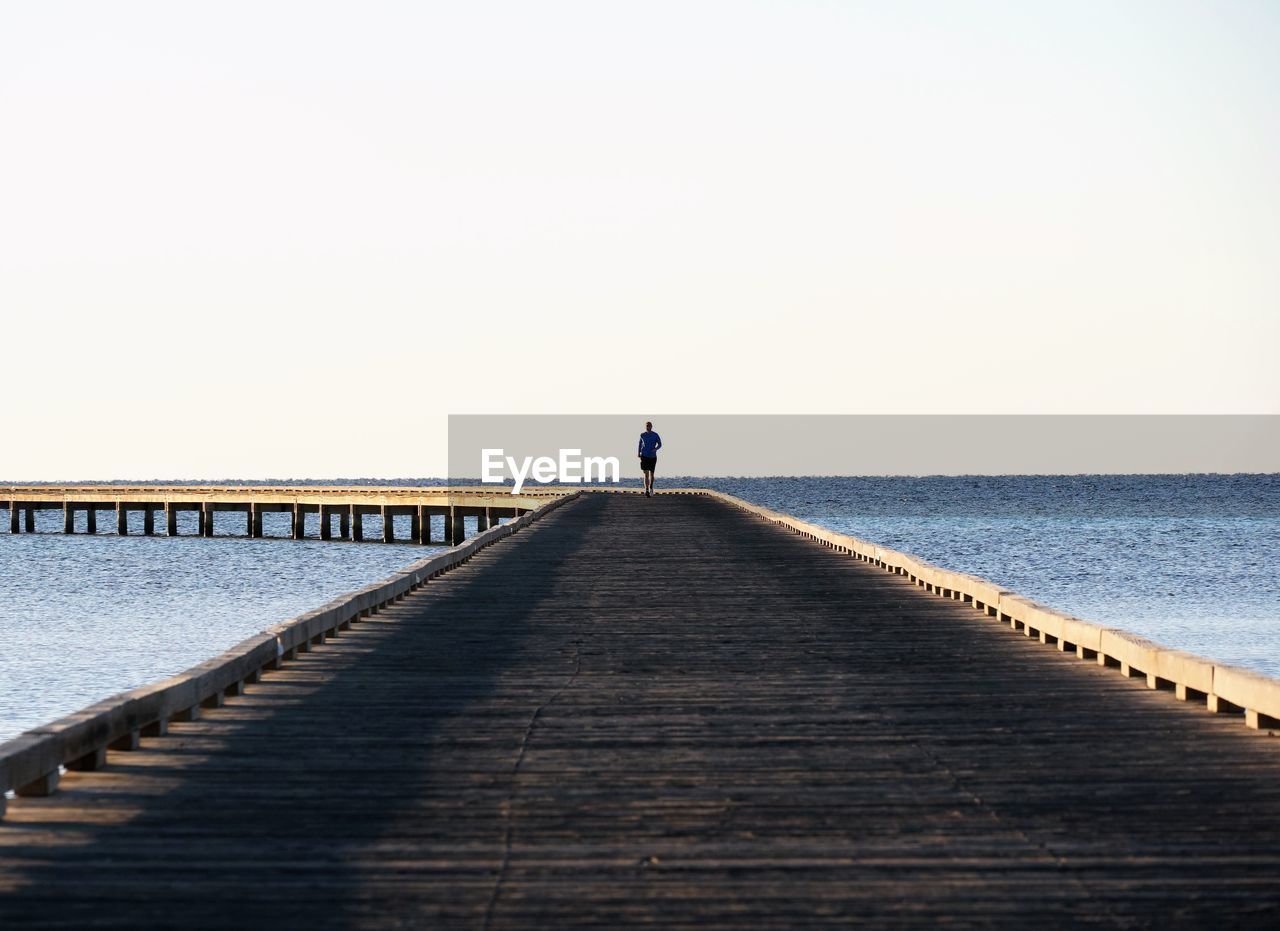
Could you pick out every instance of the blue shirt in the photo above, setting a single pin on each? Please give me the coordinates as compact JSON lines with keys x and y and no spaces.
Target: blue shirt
{"x":650,"y":443}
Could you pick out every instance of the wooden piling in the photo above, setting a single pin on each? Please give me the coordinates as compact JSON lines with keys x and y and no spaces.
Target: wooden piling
{"x":454,"y":529}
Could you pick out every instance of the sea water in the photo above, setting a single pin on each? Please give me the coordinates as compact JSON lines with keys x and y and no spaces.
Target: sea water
{"x":1190,"y":561}
{"x":87,"y":617}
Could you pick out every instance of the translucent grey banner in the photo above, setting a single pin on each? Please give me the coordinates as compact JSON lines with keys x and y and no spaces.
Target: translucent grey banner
{"x":744,"y":445}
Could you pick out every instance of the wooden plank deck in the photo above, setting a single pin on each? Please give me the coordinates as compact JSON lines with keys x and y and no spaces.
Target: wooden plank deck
{"x":667,"y":712}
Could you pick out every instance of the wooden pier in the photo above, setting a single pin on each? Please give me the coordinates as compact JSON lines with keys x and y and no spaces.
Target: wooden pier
{"x":667,"y":712}
{"x":338,"y":513}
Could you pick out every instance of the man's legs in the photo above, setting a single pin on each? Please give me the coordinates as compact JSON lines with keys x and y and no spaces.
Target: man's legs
{"x":648,"y":481}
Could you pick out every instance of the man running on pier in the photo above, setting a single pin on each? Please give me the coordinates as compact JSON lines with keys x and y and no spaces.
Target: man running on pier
{"x":650,"y":443}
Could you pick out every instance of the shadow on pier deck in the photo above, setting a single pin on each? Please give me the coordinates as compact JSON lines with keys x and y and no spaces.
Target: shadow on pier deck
{"x":669,"y":712}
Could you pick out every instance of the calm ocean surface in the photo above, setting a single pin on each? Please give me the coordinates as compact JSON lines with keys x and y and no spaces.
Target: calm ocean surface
{"x":1190,"y":561}
{"x":86,"y":617}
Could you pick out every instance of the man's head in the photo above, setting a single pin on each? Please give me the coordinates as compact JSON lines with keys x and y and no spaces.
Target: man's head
{"x":648,"y":425}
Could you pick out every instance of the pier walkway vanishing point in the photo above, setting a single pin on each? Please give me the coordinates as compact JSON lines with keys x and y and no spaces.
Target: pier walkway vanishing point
{"x":674,"y":712}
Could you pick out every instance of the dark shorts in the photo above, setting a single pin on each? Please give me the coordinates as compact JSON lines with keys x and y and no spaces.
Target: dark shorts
{"x":648,"y":463}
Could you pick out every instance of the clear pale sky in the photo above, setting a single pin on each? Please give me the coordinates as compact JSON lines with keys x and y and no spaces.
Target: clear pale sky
{"x":287,"y":239}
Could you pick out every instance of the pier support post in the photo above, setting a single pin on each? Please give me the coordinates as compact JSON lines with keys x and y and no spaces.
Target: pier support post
{"x":326,"y":522}
{"x":388,"y":525}
{"x":171,"y":520}
{"x":482,"y":521}
{"x":149,"y":521}
{"x":95,"y":759}
{"x":129,"y":742}
{"x":91,"y":520}
{"x":357,"y":524}
{"x":1219,"y":705}
{"x":122,"y":519}
{"x":206,"y":520}
{"x":344,"y":523}
{"x":68,"y":519}
{"x":299,"y":522}
{"x":255,"y":522}
{"x":29,"y":520}
{"x":454,"y":530}
{"x":14,"y":521}
{"x":415,"y":525}
{"x":45,"y":785}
